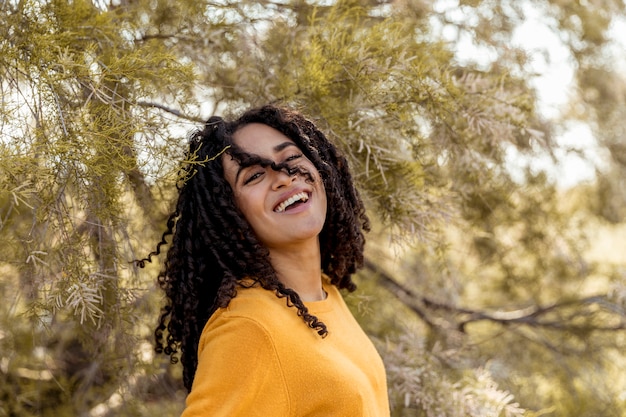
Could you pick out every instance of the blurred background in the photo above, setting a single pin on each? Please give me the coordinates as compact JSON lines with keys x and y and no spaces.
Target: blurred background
{"x":487,"y":137}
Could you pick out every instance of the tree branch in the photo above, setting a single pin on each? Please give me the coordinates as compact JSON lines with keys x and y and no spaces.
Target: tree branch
{"x":533,"y":316}
{"x":175,"y":112}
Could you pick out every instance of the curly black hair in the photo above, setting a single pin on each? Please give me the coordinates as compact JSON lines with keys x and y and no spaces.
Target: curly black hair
{"x":214,"y":250}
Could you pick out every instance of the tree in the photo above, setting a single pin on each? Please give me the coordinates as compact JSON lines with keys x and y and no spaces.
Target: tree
{"x":97,"y":99}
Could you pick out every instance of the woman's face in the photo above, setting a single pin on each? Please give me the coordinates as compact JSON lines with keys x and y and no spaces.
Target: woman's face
{"x":282,"y":209}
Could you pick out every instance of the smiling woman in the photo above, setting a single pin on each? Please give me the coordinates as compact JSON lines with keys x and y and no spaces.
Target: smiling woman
{"x":268,"y":227}
{"x":283,"y":199}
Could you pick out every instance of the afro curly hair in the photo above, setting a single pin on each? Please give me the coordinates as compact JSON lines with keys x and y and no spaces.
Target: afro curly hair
{"x":214,"y":250}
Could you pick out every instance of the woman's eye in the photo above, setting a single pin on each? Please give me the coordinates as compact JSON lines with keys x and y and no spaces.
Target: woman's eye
{"x":293,"y":157}
{"x":252,"y":177}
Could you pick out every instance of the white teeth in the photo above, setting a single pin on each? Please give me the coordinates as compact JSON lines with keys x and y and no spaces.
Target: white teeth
{"x":296,"y":197}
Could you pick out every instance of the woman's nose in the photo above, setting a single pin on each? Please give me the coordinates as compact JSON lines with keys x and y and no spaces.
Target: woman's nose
{"x":282,"y":178}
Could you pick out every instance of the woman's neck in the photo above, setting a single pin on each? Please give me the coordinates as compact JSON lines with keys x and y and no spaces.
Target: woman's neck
{"x":299,"y":268}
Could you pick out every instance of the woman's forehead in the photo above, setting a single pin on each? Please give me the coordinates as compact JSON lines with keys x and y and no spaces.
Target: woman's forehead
{"x":260,"y":139}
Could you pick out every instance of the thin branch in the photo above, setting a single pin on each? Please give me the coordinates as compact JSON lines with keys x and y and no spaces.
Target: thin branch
{"x":175,"y":112}
{"x":530,"y":316}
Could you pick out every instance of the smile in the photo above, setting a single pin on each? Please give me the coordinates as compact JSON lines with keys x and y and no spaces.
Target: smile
{"x":296,"y":198}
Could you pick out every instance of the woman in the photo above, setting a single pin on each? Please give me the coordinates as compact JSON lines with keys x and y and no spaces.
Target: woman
{"x":267,"y":228}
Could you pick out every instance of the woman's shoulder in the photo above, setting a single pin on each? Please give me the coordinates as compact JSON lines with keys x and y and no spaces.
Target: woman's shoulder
{"x":254,"y":314}
{"x":250,"y":298}
{"x":252,"y":303}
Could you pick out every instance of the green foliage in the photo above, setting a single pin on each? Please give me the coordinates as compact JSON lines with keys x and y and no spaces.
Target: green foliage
{"x":506,"y":309}
{"x":423,"y":384}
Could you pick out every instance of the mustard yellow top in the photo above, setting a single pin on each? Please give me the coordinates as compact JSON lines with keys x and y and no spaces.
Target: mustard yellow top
{"x":258,"y":358}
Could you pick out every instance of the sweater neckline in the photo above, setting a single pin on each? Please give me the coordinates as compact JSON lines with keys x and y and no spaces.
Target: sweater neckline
{"x":326,"y":304}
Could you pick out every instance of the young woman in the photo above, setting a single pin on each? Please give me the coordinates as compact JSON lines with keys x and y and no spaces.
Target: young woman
{"x":267,"y":228}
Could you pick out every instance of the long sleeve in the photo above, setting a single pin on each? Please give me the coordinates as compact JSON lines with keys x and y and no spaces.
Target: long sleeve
{"x":238,"y":372}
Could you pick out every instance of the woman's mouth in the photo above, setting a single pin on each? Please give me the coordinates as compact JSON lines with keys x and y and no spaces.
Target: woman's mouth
{"x":292,"y":202}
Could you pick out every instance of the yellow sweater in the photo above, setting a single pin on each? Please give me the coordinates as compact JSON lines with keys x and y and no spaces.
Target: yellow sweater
{"x":258,"y":358}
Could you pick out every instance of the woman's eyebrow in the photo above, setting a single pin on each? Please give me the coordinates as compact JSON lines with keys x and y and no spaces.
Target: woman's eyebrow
{"x":283,"y":145}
